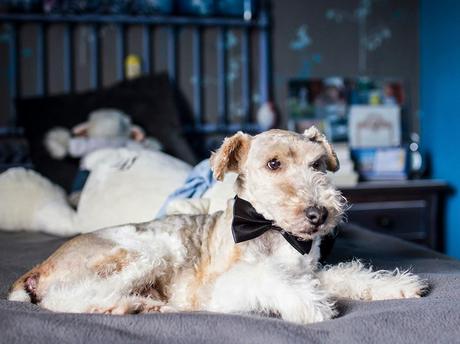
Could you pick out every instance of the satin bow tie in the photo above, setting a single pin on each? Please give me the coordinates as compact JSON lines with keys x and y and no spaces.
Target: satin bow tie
{"x":248,"y":224}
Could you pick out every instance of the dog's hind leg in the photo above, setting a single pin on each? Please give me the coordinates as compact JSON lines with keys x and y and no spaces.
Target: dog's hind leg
{"x":94,"y":295}
{"x":89,"y":274}
{"x":355,"y":281}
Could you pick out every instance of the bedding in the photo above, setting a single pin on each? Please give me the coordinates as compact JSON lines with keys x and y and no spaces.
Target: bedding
{"x":124,"y":186}
{"x":139,"y":181}
{"x":431,"y":319}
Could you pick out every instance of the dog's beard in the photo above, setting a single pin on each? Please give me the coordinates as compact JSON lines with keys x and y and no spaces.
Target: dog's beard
{"x":306,"y":231}
{"x":299,"y":225}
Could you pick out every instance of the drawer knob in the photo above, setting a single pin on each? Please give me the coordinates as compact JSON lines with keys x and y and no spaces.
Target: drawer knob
{"x":384,"y":221}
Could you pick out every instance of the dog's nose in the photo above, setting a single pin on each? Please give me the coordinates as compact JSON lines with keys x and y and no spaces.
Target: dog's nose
{"x":316,"y":215}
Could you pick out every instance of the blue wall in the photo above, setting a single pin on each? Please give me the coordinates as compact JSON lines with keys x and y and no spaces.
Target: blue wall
{"x":440,"y":101}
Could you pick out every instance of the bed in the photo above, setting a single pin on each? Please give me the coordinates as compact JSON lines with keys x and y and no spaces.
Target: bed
{"x":431,"y":319}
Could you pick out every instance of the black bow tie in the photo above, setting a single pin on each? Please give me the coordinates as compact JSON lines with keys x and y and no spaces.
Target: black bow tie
{"x":248,"y":224}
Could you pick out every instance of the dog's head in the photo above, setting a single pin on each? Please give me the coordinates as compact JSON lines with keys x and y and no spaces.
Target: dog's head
{"x":283,"y":175}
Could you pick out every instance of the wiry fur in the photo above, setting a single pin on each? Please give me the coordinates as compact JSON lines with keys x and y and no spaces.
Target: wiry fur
{"x":189,"y":263}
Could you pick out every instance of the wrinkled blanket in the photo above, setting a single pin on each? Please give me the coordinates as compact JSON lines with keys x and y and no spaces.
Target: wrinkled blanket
{"x":434,"y":318}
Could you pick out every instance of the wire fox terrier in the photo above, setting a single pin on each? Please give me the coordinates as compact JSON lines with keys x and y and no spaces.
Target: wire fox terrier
{"x":284,"y":205}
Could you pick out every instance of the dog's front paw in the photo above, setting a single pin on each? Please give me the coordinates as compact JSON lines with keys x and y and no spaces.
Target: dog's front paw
{"x":399,"y":285}
{"x":129,"y":305}
{"x":310,"y":312}
{"x":322,"y":312}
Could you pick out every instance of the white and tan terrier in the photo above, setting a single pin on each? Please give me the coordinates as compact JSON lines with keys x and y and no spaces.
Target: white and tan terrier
{"x":191,"y":263}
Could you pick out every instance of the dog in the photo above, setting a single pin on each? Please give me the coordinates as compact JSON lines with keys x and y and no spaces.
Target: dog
{"x":259,"y":255}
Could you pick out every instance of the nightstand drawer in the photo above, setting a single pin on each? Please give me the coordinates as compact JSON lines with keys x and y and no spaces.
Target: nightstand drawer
{"x":406,"y":219}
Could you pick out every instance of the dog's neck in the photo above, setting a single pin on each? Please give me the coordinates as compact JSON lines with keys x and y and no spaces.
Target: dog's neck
{"x":269,"y":244}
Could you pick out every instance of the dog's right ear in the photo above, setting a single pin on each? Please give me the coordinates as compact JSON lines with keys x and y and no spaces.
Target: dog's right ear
{"x":230,"y":156}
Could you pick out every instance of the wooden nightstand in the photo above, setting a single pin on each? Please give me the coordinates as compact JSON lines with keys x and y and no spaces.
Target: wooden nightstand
{"x":412,"y":210}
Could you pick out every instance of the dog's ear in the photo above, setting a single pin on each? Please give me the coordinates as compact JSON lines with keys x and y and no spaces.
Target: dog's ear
{"x":314,"y":135}
{"x":230,"y":156}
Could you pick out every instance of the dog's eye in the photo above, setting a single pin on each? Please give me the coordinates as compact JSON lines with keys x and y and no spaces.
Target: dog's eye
{"x":273,"y":164}
{"x":316,"y":165}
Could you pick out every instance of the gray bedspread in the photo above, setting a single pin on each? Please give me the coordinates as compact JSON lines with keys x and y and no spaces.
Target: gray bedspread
{"x":434,"y":318}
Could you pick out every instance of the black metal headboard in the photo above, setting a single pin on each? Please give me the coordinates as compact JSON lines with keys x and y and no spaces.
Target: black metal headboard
{"x":260,"y":23}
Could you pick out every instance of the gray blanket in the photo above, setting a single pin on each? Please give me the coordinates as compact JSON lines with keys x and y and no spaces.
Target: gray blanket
{"x":432,"y":319}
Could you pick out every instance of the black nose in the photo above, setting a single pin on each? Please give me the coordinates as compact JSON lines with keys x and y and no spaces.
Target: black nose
{"x":316,"y":215}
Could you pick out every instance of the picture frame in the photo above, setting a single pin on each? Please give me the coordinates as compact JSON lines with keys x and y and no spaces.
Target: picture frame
{"x":374,"y":126}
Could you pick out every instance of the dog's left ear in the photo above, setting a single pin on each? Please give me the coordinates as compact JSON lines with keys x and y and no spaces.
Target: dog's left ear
{"x":230,"y":156}
{"x":314,"y":135}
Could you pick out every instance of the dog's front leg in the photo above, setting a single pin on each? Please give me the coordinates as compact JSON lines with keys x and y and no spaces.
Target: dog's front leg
{"x":266,"y":289}
{"x":355,"y":281}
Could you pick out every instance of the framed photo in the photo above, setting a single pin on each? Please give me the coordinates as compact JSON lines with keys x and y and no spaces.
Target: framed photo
{"x":374,"y":126}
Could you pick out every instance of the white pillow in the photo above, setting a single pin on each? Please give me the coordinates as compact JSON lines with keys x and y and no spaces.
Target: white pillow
{"x":127,"y":186}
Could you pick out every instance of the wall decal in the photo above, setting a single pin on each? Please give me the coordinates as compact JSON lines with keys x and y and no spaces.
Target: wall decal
{"x":302,"y":39}
{"x":308,"y":64}
{"x":369,"y":40}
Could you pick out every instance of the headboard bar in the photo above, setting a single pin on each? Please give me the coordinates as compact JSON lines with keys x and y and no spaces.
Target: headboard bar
{"x":14,"y":72}
{"x":42,"y":59}
{"x":96,"y":57}
{"x":146,"y":48}
{"x":69,"y":59}
{"x":265,"y":66}
{"x":198,"y":89}
{"x":121,"y":33}
{"x":222,"y":111}
{"x":133,"y":20}
{"x":173,"y":52}
{"x":246,"y":61}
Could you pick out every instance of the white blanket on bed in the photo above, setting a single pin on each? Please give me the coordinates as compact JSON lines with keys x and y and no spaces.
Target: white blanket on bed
{"x":124,"y":186}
